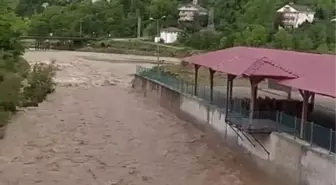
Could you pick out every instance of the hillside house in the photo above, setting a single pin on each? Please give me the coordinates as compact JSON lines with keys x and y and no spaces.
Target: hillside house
{"x":169,"y":35}
{"x":294,"y":15}
{"x":187,"y":12}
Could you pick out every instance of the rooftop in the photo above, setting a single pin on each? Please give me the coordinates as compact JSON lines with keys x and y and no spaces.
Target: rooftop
{"x":307,"y":71}
{"x":192,"y":6}
{"x":171,"y":29}
{"x":299,"y":8}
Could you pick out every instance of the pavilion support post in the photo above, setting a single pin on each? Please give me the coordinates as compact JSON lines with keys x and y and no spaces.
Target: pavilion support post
{"x":212,"y":72}
{"x":312,"y":101}
{"x":289,"y":94}
{"x":254,"y":93}
{"x":196,"y":79}
{"x":231,"y":77}
{"x":228,"y":95}
{"x":305,"y":95}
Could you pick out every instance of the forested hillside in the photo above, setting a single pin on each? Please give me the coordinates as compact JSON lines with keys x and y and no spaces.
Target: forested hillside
{"x":237,"y":22}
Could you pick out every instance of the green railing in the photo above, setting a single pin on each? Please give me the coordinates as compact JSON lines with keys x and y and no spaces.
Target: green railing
{"x":313,"y":133}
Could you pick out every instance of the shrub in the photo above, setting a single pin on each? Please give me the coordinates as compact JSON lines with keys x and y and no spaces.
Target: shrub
{"x":4,"y":117}
{"x":10,"y":91}
{"x":12,"y":71}
{"x":22,"y":67}
{"x":39,"y":84}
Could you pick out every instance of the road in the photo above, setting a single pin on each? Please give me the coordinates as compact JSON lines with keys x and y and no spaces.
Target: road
{"x":94,"y":130}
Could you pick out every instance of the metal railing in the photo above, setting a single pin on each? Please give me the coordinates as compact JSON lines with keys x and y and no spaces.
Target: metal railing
{"x":313,"y":133}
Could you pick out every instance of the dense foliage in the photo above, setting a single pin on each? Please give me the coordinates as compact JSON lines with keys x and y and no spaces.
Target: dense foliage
{"x":16,"y":78}
{"x":256,"y":23}
{"x":102,"y":18}
{"x":237,"y":22}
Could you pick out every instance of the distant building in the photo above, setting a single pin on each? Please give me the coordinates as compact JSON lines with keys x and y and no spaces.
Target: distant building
{"x":93,"y":1}
{"x":168,"y":35}
{"x":45,"y":5}
{"x":333,"y":19}
{"x":188,"y":12}
{"x":294,"y":15}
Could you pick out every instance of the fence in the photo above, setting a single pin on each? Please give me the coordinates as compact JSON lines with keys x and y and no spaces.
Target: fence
{"x":313,"y":133}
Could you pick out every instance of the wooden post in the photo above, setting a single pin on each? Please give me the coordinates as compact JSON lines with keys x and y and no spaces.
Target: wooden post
{"x":254,"y":90}
{"x":231,"y":89}
{"x":330,"y":140}
{"x":228,"y":94}
{"x":227,"y":98}
{"x":312,"y":101}
{"x":212,"y":72}
{"x":289,"y":95}
{"x":305,"y":96}
{"x":196,"y":78}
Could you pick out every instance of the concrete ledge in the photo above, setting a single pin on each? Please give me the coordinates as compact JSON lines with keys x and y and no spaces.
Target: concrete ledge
{"x":288,"y":158}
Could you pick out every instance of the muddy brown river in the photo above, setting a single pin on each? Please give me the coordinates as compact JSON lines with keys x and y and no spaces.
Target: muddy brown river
{"x":94,"y":130}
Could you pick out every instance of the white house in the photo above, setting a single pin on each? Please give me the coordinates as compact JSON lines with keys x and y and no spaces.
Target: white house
{"x":187,"y":12}
{"x":168,"y":35}
{"x":294,"y":15}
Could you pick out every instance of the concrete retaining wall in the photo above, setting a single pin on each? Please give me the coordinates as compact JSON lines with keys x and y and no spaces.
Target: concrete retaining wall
{"x":288,"y":158}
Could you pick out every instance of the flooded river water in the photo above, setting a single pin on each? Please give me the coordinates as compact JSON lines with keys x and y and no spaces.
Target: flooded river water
{"x":95,"y":131}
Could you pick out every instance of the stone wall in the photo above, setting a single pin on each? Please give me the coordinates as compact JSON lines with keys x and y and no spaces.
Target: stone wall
{"x":284,"y":158}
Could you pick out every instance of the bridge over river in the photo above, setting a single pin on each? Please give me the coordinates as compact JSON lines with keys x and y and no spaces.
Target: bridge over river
{"x":95,"y":131}
{"x":42,"y":42}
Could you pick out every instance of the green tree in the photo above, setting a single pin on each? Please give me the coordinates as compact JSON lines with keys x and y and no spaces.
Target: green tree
{"x":242,"y":22}
{"x":322,"y":48}
{"x":283,"y":39}
{"x":306,"y":44}
{"x":11,"y":28}
{"x":254,"y":35}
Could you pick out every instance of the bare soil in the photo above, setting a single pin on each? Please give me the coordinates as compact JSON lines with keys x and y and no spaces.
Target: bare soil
{"x":95,"y":131}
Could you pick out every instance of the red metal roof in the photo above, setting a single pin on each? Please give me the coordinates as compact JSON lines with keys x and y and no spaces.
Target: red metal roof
{"x":307,"y":71}
{"x":268,"y":69}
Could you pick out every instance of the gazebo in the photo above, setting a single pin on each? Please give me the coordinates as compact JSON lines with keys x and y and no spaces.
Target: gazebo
{"x":308,"y":72}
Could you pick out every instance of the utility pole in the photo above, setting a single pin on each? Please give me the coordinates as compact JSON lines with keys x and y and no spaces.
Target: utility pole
{"x":139,"y":23}
{"x":157,"y":45}
{"x":211,"y":24}
{"x":158,"y":35}
{"x":80,"y":27}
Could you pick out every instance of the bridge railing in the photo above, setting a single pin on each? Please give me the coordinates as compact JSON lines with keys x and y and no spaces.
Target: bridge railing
{"x":48,"y":37}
